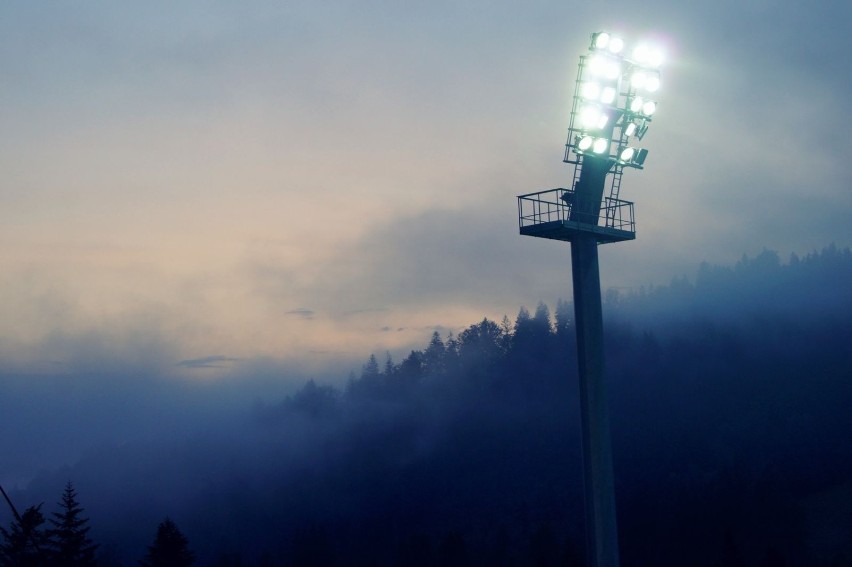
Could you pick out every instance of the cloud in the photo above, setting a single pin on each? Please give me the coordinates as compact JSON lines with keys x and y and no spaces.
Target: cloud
{"x":367,"y":310}
{"x":215,"y":361}
{"x":436,"y":119}
{"x":302,"y":312}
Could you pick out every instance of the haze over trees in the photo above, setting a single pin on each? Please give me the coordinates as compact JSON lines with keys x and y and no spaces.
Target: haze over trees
{"x":730,"y":402}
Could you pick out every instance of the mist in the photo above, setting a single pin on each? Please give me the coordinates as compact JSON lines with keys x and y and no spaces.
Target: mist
{"x":729,"y":397}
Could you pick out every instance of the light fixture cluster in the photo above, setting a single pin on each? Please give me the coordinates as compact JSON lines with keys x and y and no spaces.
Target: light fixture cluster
{"x":614,"y":100}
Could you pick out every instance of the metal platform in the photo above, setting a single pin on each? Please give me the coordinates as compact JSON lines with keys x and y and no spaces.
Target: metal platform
{"x":547,"y":214}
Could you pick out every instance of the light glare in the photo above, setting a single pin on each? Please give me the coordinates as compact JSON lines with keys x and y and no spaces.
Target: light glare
{"x":590,"y":90}
{"x":616,"y":44}
{"x":613,"y":70}
{"x":589,"y":117}
{"x":592,"y":117}
{"x":603,"y":66}
{"x":636,"y":104}
{"x":597,"y":65}
{"x":648,"y":56}
{"x":641,"y":54}
{"x":602,"y":103}
{"x":652,"y":83}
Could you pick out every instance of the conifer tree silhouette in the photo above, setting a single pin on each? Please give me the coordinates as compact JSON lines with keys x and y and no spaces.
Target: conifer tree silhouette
{"x":170,"y":548}
{"x":25,"y":543}
{"x":69,"y":542}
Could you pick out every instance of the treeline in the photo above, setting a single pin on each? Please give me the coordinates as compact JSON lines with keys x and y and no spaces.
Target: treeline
{"x":63,"y":541}
{"x":459,"y":454}
{"x":729,"y":401}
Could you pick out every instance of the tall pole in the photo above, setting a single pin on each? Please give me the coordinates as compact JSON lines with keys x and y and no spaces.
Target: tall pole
{"x":598,"y":475}
{"x":610,"y":98}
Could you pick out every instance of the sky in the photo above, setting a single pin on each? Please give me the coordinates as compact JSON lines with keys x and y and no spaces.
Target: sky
{"x":215,"y":190}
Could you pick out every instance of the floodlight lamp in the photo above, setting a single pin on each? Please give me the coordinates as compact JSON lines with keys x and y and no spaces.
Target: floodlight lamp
{"x":597,"y":65}
{"x":600,"y":40}
{"x":613,"y":70}
{"x":608,"y":95}
{"x":636,"y":104}
{"x":647,"y":56}
{"x":589,"y":117}
{"x":652,"y":83}
{"x":593,"y":118}
{"x":649,"y":108}
{"x":642,"y":54}
{"x":645,"y":80}
{"x":638,"y":79}
{"x":601,"y":146}
{"x":585,"y":143}
{"x":590,"y":90}
{"x":616,"y":45}
{"x":634,"y":125}
{"x":602,"y":66}
{"x":632,"y":157}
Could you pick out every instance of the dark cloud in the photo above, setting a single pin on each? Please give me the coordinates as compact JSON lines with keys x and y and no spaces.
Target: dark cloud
{"x":214,"y":361}
{"x":433,"y":257}
{"x":302,"y":312}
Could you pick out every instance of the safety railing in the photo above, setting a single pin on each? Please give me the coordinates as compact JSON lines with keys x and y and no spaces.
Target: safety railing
{"x":554,"y":205}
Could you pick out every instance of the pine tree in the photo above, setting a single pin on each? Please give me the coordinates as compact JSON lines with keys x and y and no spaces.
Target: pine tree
{"x":435,"y":354}
{"x":25,"y":543}
{"x":170,"y":548}
{"x":542,"y":319}
{"x":564,"y":317}
{"x":371,"y":369}
{"x":389,"y":368}
{"x":69,"y":542}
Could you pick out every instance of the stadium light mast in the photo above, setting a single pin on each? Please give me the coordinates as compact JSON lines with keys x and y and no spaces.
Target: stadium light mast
{"x":613,"y":105}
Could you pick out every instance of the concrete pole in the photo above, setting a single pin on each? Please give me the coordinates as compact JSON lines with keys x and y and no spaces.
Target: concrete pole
{"x":598,"y":475}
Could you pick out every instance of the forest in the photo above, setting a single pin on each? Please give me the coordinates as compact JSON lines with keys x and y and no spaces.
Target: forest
{"x":729,"y":398}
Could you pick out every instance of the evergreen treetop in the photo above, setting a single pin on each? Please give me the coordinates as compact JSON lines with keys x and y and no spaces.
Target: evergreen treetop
{"x":69,"y":542}
{"x":25,"y":543}
{"x":170,"y":548}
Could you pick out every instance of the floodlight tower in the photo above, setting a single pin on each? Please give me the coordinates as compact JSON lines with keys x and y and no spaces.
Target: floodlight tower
{"x":612,"y":107}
